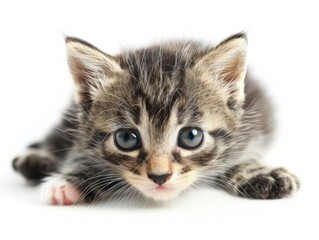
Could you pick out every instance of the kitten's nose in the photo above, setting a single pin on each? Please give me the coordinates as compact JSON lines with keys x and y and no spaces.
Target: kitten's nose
{"x":159,"y":179}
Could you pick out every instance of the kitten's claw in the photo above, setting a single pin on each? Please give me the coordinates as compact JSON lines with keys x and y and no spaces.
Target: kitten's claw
{"x":277,"y":183}
{"x":56,"y":191}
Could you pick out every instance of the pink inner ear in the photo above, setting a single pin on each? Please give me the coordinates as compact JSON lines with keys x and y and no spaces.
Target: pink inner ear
{"x":79,"y":72}
{"x":227,"y":60}
{"x":81,"y":78}
{"x":234,"y":70}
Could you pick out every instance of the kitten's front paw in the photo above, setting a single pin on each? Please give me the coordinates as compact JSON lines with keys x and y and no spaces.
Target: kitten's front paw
{"x":274,"y":184}
{"x":34,"y":164}
{"x":56,"y":191}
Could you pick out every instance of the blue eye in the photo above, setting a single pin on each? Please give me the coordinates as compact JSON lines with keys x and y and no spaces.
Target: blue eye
{"x":190,"y":137}
{"x":127,"y":139}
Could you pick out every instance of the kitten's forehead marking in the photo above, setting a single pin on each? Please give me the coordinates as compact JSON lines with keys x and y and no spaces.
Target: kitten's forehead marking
{"x":155,"y":138}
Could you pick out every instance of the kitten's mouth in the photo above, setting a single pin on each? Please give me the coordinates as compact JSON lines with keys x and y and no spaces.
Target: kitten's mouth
{"x":161,"y":192}
{"x":161,"y":188}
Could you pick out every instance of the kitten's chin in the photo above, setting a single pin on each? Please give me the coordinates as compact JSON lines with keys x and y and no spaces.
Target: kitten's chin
{"x":161,"y":194}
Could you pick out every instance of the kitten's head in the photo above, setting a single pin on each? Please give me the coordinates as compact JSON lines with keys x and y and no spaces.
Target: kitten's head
{"x":165,"y":113}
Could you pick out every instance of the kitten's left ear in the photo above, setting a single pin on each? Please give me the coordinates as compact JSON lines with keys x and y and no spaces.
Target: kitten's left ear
{"x":91,"y":68}
{"x":226,"y":63}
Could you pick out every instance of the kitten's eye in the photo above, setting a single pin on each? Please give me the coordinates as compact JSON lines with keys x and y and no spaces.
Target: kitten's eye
{"x":190,"y":138}
{"x":127,"y":139}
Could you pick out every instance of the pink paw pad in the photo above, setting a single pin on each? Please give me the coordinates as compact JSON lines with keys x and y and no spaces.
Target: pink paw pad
{"x":60,"y":192}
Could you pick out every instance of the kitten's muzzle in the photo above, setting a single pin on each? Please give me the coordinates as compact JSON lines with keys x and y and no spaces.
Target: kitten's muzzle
{"x":159,"y":179}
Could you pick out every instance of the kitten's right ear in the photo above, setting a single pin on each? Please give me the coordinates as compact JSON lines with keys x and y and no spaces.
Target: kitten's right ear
{"x":226,"y":65}
{"x":91,"y":69}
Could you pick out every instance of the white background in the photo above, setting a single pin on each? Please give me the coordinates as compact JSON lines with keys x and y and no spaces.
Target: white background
{"x":35,"y":86}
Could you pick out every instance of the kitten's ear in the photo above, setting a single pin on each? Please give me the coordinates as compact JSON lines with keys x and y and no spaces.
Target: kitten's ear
{"x":91,"y":69}
{"x":226,"y":63}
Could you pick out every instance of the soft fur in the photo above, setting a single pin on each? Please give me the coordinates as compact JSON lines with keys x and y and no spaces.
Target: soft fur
{"x":158,"y":90}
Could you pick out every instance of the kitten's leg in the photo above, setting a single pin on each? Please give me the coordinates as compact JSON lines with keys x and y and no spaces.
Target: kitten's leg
{"x":79,"y":180}
{"x":57,"y":191}
{"x":40,"y":159}
{"x":252,"y":180}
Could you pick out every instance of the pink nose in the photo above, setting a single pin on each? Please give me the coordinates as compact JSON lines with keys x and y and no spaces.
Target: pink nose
{"x":159,"y":179}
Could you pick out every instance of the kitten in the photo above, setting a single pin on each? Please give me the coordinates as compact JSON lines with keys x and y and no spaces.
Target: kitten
{"x":156,"y":121}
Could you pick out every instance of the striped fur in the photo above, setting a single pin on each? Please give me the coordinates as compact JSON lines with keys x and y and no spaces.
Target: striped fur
{"x":158,"y":90}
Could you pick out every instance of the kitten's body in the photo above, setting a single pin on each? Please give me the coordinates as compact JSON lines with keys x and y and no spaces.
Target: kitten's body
{"x":159,"y":91}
